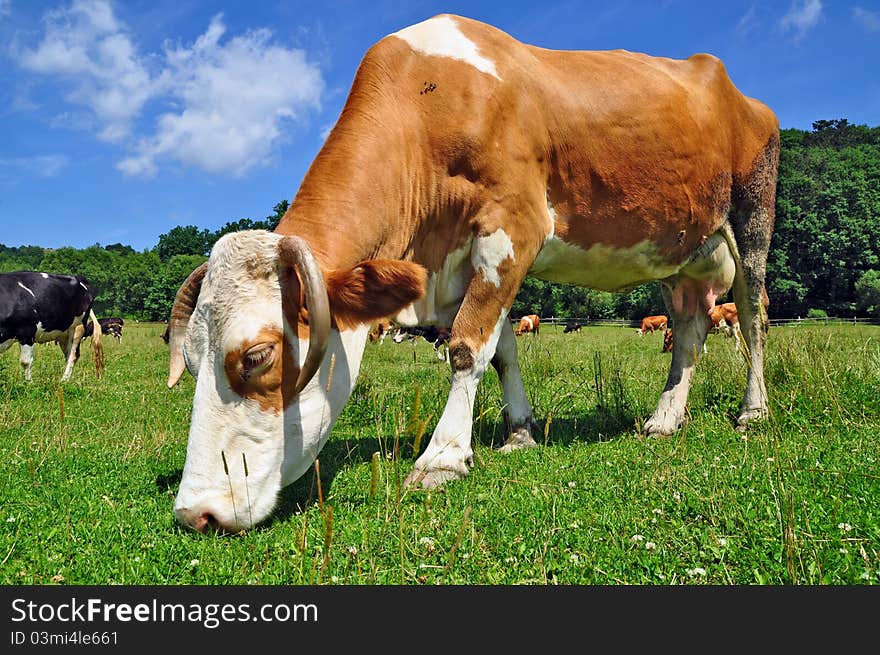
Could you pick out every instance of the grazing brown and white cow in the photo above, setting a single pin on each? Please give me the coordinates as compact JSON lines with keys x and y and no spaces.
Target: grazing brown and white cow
{"x":380,"y":330}
{"x":651,"y":323}
{"x":724,"y":319}
{"x":467,"y":160}
{"x":530,"y":323}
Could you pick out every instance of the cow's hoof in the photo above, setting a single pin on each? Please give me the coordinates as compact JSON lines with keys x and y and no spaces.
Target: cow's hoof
{"x":518,"y":439}
{"x":421,"y":479}
{"x":750,"y":416}
{"x":655,"y":427}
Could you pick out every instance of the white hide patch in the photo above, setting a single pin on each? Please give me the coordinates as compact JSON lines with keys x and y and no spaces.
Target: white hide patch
{"x":489,"y":252}
{"x":444,"y":292}
{"x":43,"y":336}
{"x":45,"y":276}
{"x":441,"y":37}
{"x":26,"y":289}
{"x":600,"y":267}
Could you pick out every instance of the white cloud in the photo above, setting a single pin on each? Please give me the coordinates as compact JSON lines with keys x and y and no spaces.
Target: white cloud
{"x":870,"y":20}
{"x":5,"y":8}
{"x":87,"y":46}
{"x":224,"y":100}
{"x":38,"y":165}
{"x":748,"y":22}
{"x":236,"y":97}
{"x":802,"y":16}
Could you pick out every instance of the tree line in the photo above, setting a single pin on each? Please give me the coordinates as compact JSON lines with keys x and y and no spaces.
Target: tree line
{"x":824,"y":255}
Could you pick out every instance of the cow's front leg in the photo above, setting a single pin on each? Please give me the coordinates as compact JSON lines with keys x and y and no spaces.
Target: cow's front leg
{"x":517,"y":410}
{"x":26,"y":358}
{"x":449,"y":454}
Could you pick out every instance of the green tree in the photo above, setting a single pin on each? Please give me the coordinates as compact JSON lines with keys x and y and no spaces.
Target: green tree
{"x":868,"y":293}
{"x":164,"y":285}
{"x":186,"y":240}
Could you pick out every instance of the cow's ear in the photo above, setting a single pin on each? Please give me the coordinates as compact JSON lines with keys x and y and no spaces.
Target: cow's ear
{"x":373,"y":289}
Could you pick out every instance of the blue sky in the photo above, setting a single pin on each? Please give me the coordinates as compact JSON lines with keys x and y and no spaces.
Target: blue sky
{"x":120,"y":119}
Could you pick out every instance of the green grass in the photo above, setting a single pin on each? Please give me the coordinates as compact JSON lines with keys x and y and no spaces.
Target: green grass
{"x":90,"y":469}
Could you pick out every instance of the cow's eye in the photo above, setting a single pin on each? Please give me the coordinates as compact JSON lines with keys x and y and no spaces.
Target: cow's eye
{"x":257,"y":359}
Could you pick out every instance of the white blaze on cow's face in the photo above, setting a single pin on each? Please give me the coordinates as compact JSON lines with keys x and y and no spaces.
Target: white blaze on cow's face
{"x":250,"y":433}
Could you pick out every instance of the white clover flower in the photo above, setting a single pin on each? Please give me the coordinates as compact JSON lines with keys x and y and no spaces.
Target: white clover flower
{"x":676,"y":496}
{"x":636,"y":538}
{"x":843,"y":551}
{"x":510,"y":560}
{"x":334,"y":578}
{"x":846,"y":527}
{"x":650,"y":545}
{"x":771,"y":459}
{"x":11,"y":519}
{"x":722,"y":542}
{"x":574,"y":526}
{"x":352,"y":550}
{"x":428,"y":543}
{"x":194,"y":563}
{"x":697,"y":571}
{"x":573,"y":558}
{"x":572,"y":484}
{"x":658,"y":511}
{"x":865,"y":576}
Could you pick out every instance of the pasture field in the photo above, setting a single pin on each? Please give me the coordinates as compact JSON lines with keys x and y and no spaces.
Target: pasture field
{"x":89,"y":470}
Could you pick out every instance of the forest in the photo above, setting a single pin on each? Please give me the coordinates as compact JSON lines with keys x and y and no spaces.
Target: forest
{"x":824,"y":256}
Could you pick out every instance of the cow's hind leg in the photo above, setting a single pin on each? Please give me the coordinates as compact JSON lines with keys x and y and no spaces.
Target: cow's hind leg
{"x":517,"y":410}
{"x":70,"y":346}
{"x":689,"y":296}
{"x":752,"y":217}
{"x":691,"y":328}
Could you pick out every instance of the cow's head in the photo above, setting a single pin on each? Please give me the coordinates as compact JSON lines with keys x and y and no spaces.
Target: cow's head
{"x":275,"y":344}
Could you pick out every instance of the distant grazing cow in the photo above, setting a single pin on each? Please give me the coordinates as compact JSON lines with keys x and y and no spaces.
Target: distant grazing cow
{"x":530,"y":323}
{"x":380,"y":330}
{"x":651,"y":323}
{"x":725,"y":319}
{"x":667,"y":341}
{"x":44,"y":307}
{"x":462,"y":162}
{"x":571,"y":326}
{"x":436,"y":336}
{"x":111,"y":326}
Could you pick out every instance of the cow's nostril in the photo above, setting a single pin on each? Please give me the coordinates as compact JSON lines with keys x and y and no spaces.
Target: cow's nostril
{"x":209,"y":521}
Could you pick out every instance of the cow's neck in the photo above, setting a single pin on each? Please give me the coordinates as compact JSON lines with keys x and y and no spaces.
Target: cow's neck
{"x":359,"y":198}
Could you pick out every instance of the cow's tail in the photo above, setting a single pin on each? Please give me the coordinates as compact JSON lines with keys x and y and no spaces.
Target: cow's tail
{"x":97,"y":346}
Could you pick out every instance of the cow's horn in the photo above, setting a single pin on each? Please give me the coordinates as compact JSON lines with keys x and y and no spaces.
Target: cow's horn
{"x":296,"y":252}
{"x":181,"y":310}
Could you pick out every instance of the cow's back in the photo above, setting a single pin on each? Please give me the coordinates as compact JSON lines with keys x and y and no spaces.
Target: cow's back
{"x":46,"y":298}
{"x":625,"y":147}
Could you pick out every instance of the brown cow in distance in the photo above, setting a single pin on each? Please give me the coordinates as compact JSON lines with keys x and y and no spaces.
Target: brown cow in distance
{"x":380,"y":330}
{"x":651,"y":323}
{"x":530,"y":323}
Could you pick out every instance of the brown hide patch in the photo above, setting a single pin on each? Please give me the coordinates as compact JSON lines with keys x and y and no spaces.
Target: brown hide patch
{"x":373,"y":289}
{"x":272,"y":386}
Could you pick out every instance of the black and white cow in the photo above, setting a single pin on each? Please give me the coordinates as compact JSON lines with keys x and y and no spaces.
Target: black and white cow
{"x":44,"y":307}
{"x":436,"y":336}
{"x":112,"y":326}
{"x":572,"y":326}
